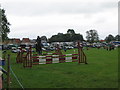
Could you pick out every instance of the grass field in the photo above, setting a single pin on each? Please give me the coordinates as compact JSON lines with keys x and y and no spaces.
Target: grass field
{"x":100,"y":72}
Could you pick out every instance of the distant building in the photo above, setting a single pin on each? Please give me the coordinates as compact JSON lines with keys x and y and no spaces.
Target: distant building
{"x":25,"y":41}
{"x":13,"y":41}
{"x":33,"y":41}
{"x":102,"y":40}
{"x":16,"y":41}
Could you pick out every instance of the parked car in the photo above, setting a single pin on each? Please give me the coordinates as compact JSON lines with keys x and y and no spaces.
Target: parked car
{"x":15,"y":50}
{"x":11,"y":46}
{"x":28,"y":48}
{"x":69,"y":47}
{"x":43,"y":49}
{"x":4,"y":47}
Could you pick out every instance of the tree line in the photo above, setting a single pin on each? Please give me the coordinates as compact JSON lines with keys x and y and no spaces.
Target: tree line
{"x":91,"y":36}
{"x":69,"y":36}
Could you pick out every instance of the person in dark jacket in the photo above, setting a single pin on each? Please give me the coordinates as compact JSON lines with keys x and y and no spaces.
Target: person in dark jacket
{"x":39,"y":46}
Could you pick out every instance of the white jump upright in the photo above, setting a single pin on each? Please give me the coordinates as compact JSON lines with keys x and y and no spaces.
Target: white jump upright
{"x":42,"y":60}
{"x":55,"y":58}
{"x":68,"y":58}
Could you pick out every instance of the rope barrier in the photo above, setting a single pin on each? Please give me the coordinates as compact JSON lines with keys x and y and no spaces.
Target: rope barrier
{"x":16,"y":78}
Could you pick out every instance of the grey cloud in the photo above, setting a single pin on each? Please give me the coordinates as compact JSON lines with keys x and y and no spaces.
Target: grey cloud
{"x":31,"y":9}
{"x":109,"y":5}
{"x":34,"y":30}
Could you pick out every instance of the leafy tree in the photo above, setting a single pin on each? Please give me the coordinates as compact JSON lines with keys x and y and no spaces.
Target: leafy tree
{"x":110,"y":38}
{"x":74,"y":36}
{"x":4,"y":25}
{"x":44,"y":38}
{"x":53,"y":38}
{"x":68,"y":37}
{"x":92,"y":36}
{"x":77,"y":37}
{"x":117,"y":37}
{"x":60,"y":34}
{"x":60,"y":38}
{"x":70,"y":31}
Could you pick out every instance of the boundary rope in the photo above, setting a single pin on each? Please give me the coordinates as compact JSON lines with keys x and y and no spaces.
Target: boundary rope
{"x":16,"y":78}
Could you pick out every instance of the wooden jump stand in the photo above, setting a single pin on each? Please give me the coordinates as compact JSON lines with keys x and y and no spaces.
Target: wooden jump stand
{"x":19,"y":58}
{"x":81,"y":55}
{"x":25,"y":59}
{"x":28,"y":59}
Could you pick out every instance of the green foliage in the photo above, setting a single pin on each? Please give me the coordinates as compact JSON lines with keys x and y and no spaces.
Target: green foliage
{"x":70,"y":31}
{"x":4,"y":25}
{"x":92,"y":36}
{"x":44,"y":38}
{"x":117,"y":37}
{"x":68,"y":37}
{"x":110,"y":38}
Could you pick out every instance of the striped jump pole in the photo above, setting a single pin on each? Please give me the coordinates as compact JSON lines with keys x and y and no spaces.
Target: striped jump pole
{"x":54,"y":59}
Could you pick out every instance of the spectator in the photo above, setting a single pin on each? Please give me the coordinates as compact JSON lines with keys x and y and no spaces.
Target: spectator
{"x":39,"y":46}
{"x":65,"y":49}
{"x":2,"y":71}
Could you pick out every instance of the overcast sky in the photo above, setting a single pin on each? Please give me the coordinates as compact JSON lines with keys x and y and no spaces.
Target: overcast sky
{"x":32,"y":18}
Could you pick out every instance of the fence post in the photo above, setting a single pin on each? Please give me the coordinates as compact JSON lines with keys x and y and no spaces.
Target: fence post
{"x":30,"y":57}
{"x":8,"y":72}
{"x":79,"y":52}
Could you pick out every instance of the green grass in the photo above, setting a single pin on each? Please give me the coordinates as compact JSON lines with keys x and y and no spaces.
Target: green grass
{"x":100,"y":72}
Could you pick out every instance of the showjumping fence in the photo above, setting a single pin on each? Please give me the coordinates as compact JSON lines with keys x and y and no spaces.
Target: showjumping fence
{"x":29,"y":59}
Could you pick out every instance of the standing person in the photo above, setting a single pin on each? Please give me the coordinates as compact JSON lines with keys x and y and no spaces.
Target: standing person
{"x":110,"y":46}
{"x":65,"y":49}
{"x":38,"y":45}
{"x":2,"y":70}
{"x":1,"y":76}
